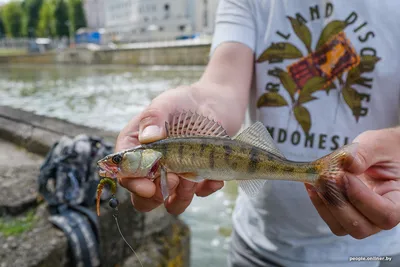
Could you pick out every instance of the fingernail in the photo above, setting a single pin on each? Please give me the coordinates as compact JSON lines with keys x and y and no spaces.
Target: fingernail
{"x":150,"y":133}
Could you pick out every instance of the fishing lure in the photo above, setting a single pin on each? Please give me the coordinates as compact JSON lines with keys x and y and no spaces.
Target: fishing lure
{"x":113,"y":203}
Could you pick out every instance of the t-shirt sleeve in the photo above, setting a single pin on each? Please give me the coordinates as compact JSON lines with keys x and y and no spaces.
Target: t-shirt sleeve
{"x":234,"y":23}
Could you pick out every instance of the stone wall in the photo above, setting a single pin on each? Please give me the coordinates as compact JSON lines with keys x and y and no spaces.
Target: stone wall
{"x":47,"y":58}
{"x":31,"y":240}
{"x":182,"y":55}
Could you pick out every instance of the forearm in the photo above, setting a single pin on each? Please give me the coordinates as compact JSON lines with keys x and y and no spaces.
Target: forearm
{"x":225,"y":84}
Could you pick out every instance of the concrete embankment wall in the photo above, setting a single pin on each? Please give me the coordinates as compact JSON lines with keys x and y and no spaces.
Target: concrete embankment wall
{"x":159,"y":238}
{"x":168,"y":55}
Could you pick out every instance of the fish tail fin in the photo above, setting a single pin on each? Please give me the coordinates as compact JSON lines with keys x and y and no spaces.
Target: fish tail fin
{"x":331,"y":169}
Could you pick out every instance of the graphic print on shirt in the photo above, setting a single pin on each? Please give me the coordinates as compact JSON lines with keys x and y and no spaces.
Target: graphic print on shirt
{"x":333,"y":64}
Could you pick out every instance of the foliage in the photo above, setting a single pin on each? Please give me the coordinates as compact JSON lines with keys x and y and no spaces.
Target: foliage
{"x":18,"y":225}
{"x":46,"y":18}
{"x":47,"y":23}
{"x":62,"y":19}
{"x":31,"y":16}
{"x":2,"y":30}
{"x":12,"y":16}
{"x":77,"y":15}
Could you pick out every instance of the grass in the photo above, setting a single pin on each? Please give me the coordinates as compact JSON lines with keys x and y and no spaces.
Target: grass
{"x":17,"y":226}
{"x":12,"y":52}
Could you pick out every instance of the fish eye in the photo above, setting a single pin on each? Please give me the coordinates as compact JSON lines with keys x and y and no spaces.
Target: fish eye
{"x":116,"y":159}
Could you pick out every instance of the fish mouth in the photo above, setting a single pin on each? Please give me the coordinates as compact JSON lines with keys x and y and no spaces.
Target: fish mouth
{"x":106,"y":171}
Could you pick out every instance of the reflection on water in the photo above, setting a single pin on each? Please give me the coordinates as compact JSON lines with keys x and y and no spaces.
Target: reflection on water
{"x":108,"y":97}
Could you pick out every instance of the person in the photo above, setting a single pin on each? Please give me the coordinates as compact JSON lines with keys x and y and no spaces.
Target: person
{"x":319,"y":74}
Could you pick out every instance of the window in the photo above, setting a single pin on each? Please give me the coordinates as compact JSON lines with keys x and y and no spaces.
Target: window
{"x":161,"y":28}
{"x":166,"y":7}
{"x":146,"y":19}
{"x":182,"y":28}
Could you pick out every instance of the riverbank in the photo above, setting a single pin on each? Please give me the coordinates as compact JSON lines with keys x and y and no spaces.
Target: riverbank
{"x":28,"y":239}
{"x":107,"y":97}
{"x":172,"y":53}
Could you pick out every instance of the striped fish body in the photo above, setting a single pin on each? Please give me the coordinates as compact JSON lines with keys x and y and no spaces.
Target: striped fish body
{"x":197,"y":148}
{"x":225,"y":159}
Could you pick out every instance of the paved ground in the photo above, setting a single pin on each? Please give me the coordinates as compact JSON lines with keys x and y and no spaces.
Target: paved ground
{"x":13,"y":156}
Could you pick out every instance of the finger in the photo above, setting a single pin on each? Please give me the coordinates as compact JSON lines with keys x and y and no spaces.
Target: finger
{"x":353,"y":222}
{"x":142,"y":187}
{"x":207,"y":187}
{"x":183,"y":196}
{"x":152,"y":121}
{"x":173,"y":182}
{"x":145,"y":204}
{"x":362,"y":160}
{"x":128,"y":137}
{"x":388,"y":186}
{"x":384,"y":212}
{"x":368,"y":152}
{"x":324,"y":212}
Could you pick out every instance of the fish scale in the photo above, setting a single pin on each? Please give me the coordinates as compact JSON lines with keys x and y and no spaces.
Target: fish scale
{"x":197,"y":148}
{"x":218,"y":162}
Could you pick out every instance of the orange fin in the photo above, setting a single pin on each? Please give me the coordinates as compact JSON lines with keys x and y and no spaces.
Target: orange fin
{"x":332,"y":191}
{"x":184,"y":124}
{"x":191,"y":176}
{"x":332,"y":169}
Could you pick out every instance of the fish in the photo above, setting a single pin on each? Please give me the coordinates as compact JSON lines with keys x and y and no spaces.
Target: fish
{"x":198,"y":148}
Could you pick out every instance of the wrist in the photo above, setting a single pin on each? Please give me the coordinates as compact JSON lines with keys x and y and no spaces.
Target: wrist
{"x":223,"y":103}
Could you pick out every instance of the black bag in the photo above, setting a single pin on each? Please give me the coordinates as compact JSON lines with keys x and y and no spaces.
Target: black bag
{"x":68,"y":181}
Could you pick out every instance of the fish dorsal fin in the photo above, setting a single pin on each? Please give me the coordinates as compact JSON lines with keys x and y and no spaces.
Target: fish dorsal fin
{"x":184,"y":124}
{"x":257,"y":135}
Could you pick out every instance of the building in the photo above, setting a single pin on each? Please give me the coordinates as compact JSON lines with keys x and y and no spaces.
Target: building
{"x":95,"y":13}
{"x":145,"y":20}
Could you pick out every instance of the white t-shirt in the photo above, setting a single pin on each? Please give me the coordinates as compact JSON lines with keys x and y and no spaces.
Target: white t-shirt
{"x":351,"y":50}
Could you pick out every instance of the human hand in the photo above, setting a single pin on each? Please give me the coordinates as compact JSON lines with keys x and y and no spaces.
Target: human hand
{"x":372,"y":187}
{"x":148,"y":127}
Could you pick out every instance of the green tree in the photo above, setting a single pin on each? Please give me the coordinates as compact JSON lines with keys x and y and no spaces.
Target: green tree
{"x":31,"y":12}
{"x":61,"y":15}
{"x":76,"y":14}
{"x":2,"y":30}
{"x":47,"y":22}
{"x":12,"y":16}
{"x":79,"y":15}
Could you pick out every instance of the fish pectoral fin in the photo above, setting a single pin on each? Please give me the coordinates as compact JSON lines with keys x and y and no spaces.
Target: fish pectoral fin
{"x":257,"y":135}
{"x":191,"y":176}
{"x":251,"y":187}
{"x":164,"y":183}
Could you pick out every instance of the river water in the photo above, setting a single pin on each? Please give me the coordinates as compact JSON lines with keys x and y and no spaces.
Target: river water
{"x":108,"y":97}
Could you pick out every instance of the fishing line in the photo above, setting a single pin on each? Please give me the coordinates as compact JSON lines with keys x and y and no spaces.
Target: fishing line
{"x":115,"y":215}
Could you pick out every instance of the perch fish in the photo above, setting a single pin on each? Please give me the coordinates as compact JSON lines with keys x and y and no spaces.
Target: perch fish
{"x":197,"y":148}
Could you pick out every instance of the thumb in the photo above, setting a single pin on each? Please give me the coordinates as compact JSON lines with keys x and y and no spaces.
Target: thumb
{"x":152,"y":123}
{"x":362,"y":159}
